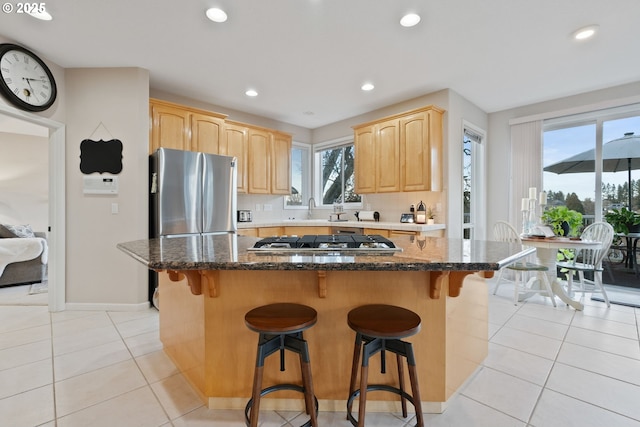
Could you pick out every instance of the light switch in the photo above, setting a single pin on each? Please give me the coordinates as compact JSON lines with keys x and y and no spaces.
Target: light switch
{"x":114,"y":208}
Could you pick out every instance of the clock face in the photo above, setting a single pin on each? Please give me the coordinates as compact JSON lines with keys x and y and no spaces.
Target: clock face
{"x":25,"y":80}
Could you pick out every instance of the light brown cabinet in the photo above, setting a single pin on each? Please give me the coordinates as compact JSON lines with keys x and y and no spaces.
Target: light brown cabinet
{"x":181,"y":128}
{"x":378,"y":158}
{"x":281,"y":163}
{"x":421,"y":150}
{"x":269,"y":162}
{"x":305,"y":231}
{"x":259,"y":161}
{"x":400,"y":153}
{"x":236,"y":144}
{"x":207,"y":133}
{"x":270,"y":231}
{"x":365,"y":161}
{"x":170,"y":127}
{"x":264,"y":155}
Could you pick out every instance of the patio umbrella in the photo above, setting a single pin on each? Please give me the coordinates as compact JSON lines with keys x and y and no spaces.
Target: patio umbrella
{"x":617,"y":155}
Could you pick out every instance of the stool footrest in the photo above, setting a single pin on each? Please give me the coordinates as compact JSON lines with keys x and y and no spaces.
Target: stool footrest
{"x":375,"y":387}
{"x":279,"y":387}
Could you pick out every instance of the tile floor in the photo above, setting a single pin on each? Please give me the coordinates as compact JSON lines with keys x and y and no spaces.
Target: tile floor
{"x":546,"y":367}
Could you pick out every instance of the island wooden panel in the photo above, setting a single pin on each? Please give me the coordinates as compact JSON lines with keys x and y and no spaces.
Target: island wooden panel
{"x":208,"y":340}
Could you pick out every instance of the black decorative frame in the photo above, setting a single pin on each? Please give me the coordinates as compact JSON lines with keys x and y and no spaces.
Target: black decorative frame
{"x":101,"y":156}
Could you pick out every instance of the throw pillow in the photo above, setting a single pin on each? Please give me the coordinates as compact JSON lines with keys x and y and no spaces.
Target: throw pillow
{"x":5,"y":233}
{"x":20,"y":230}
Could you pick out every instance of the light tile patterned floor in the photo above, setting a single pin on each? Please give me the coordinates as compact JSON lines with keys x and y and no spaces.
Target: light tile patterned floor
{"x":546,"y":367}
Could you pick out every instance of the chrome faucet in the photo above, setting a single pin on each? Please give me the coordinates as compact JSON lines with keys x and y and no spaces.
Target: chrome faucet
{"x":311,"y":199}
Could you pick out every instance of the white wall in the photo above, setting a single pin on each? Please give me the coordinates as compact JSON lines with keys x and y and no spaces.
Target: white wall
{"x":24,"y":180}
{"x":499,"y":146}
{"x":117,"y":99}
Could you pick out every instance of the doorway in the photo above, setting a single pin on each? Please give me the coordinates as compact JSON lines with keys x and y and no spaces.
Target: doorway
{"x":56,"y":227}
{"x":473,"y":212}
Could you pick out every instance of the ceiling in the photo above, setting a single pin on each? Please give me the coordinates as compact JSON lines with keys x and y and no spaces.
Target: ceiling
{"x":308,"y":58}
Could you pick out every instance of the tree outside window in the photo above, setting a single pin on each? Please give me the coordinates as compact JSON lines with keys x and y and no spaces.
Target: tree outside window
{"x":337,"y":180}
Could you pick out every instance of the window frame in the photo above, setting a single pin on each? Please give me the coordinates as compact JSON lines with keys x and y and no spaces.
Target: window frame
{"x":307,"y":187}
{"x":317,"y":169}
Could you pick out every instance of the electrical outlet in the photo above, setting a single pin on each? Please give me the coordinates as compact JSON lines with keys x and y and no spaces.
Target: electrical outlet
{"x":268,"y":207}
{"x":258,"y":207}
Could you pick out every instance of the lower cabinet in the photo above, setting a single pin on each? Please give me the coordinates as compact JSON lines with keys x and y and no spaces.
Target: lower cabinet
{"x":270,"y":231}
{"x":249,"y":232}
{"x":302,"y":231}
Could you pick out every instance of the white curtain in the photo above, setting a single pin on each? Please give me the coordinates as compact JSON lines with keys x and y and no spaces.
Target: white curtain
{"x":526,"y":166}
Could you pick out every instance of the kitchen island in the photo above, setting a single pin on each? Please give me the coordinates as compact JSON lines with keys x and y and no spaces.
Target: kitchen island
{"x":207,"y":284}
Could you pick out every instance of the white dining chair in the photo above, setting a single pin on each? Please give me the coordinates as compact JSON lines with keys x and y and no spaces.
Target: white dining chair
{"x":590,"y":260}
{"x":505,"y":232}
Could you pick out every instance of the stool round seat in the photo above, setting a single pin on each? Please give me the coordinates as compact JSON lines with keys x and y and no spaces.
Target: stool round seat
{"x":281,"y":318}
{"x":384,"y":321}
{"x":280,"y":327}
{"x":380,"y":328}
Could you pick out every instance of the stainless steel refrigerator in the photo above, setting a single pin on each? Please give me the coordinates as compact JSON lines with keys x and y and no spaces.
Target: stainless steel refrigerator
{"x":191,"y":194}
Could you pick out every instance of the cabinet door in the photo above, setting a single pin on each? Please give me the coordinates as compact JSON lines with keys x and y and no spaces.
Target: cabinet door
{"x":387,"y":145}
{"x":269,"y":231}
{"x":435,"y":149}
{"x":235,"y":143}
{"x":421,"y":151}
{"x":378,"y":231}
{"x":281,"y":164}
{"x":397,"y":233}
{"x":302,"y":231}
{"x":365,"y":161}
{"x":206,"y":133}
{"x":414,"y":142}
{"x":169,"y":128}
{"x":249,"y":232}
{"x":259,"y":161}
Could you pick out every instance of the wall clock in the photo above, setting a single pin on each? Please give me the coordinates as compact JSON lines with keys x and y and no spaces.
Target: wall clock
{"x":25,"y":80}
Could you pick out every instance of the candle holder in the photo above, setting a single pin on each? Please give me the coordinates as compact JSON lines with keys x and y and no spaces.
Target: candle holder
{"x":543,"y":206}
{"x":532,"y":220}
{"x":525,"y":222}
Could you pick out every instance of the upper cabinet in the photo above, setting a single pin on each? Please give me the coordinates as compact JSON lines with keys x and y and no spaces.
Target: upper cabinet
{"x":170,"y":127}
{"x":264,"y":155}
{"x":281,"y":163}
{"x":259,"y":161}
{"x":236,"y":144}
{"x":400,"y":153}
{"x":182,"y":128}
{"x":269,"y":162}
{"x":207,"y":133}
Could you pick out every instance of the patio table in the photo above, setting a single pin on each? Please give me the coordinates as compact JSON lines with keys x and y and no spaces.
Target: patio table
{"x":546,"y":251}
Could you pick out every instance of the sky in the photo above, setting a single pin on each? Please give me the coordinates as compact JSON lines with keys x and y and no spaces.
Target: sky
{"x":563,"y":143}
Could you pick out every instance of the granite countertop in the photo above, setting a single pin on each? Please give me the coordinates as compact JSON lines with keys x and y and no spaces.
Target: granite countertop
{"x":382,"y":225}
{"x":229,"y":252}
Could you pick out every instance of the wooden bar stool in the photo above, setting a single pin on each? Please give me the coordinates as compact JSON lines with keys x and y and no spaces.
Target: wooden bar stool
{"x":280,"y":327}
{"x":381,"y":328}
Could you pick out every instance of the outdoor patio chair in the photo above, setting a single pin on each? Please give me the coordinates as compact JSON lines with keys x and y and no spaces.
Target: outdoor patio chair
{"x":590,"y":261}
{"x":505,"y":232}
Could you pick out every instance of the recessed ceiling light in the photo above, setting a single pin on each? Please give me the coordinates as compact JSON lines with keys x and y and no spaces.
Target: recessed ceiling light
{"x":40,"y":14}
{"x":251,"y":92}
{"x":585,"y":32}
{"x":410,"y":19}
{"x":216,"y":15}
{"x":367,"y":87}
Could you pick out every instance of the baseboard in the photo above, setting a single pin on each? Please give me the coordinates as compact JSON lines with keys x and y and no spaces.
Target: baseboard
{"x":79,"y":306}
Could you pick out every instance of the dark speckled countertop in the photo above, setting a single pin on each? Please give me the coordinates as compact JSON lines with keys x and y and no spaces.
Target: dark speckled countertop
{"x":229,"y":252}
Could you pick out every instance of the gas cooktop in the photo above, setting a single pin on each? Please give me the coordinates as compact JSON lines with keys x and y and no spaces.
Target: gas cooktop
{"x":324,"y":243}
